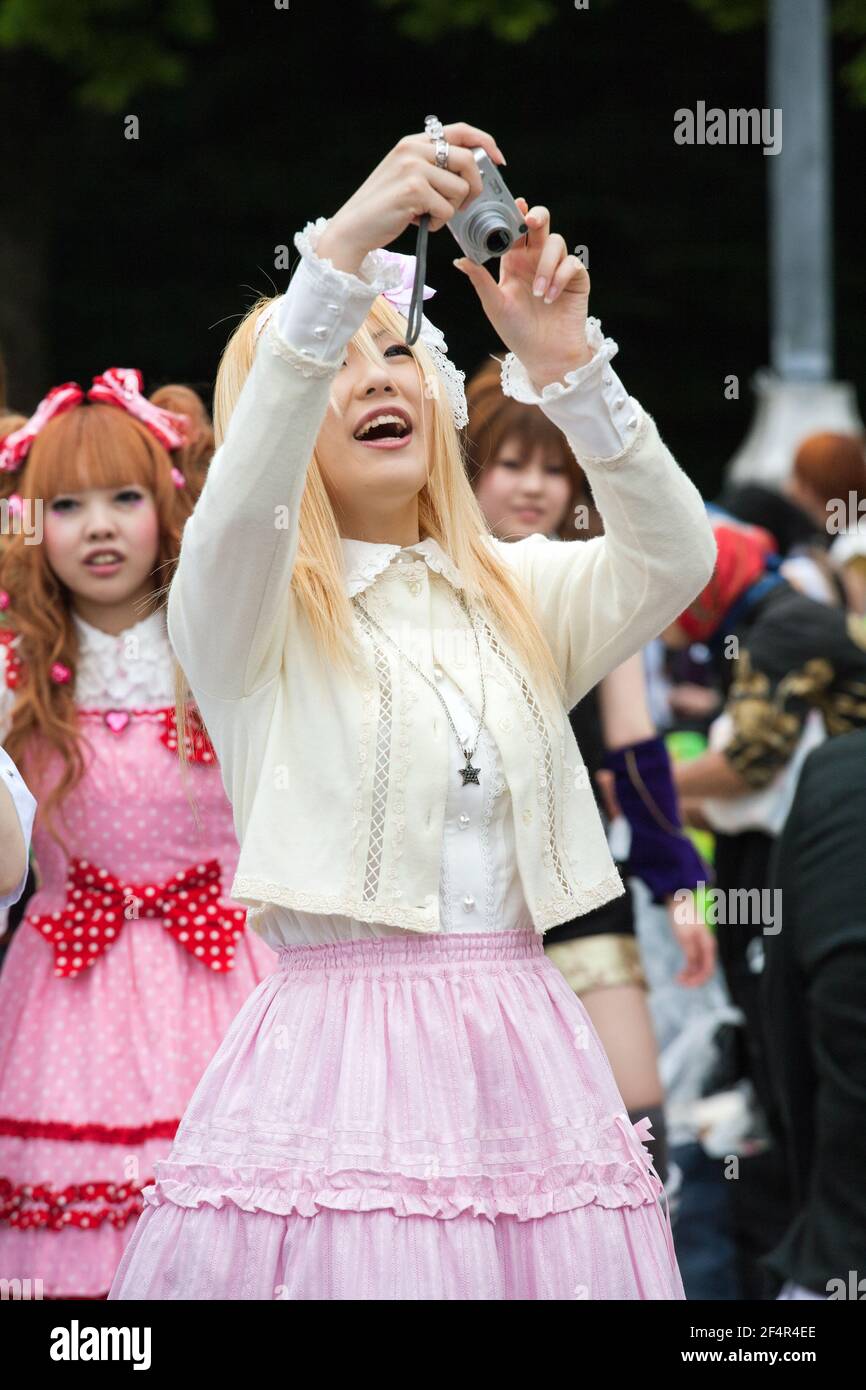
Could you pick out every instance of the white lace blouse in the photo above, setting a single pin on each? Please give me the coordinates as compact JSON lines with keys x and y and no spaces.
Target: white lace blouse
{"x":480,"y":884}
{"x":133,"y":669}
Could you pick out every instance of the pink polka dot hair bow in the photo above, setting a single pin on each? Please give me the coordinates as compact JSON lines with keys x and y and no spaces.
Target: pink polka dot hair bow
{"x":119,"y":386}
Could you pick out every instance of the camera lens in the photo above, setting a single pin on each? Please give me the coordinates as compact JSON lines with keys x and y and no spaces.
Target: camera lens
{"x":488,"y":230}
{"x":497,"y":242}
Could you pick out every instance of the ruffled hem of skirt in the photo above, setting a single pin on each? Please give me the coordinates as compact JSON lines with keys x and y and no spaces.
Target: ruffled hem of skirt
{"x":285,"y":1192}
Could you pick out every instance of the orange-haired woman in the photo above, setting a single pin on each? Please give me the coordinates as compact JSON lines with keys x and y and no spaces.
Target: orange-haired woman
{"x":131,"y":962}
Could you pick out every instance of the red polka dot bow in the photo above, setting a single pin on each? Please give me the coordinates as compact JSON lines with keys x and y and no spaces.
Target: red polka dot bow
{"x":199,"y":748}
{"x":98,"y":906}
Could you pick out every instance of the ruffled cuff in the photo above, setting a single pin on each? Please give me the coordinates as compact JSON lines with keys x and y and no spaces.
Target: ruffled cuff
{"x":590,"y":404}
{"x":517,"y":385}
{"x":323,"y":308}
{"x":375,"y":274}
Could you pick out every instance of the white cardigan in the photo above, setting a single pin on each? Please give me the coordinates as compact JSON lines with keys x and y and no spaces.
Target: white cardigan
{"x":339,"y":787}
{"x":480,"y":888}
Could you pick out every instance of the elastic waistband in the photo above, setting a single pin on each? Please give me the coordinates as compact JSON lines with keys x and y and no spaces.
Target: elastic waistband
{"x":407,"y":952}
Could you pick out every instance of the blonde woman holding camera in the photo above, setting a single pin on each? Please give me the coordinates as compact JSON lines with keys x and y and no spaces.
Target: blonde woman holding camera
{"x":415,"y":1105}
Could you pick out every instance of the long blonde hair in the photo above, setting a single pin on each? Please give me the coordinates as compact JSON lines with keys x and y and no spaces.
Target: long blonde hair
{"x":447,"y":511}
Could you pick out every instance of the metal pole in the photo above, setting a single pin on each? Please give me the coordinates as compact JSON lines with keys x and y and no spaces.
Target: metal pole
{"x":801,"y":301}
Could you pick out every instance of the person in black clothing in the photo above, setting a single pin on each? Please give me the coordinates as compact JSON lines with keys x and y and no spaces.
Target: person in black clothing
{"x":791,"y":655}
{"x":814,"y":995}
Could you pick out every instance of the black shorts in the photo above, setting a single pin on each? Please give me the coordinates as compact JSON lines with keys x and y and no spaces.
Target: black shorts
{"x":613,"y":918}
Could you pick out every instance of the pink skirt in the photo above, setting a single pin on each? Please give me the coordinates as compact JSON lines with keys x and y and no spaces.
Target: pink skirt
{"x":406,"y":1118}
{"x":95,"y":1074}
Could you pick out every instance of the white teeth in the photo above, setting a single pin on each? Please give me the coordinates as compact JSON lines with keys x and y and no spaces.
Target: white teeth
{"x":382,"y":420}
{"x":105,"y":557}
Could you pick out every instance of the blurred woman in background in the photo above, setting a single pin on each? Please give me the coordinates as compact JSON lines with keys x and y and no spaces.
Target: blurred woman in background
{"x":527,"y":479}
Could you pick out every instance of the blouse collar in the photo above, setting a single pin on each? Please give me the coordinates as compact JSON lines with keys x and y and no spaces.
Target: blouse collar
{"x":149,"y":630}
{"x":364,"y":561}
{"x":129,"y":669}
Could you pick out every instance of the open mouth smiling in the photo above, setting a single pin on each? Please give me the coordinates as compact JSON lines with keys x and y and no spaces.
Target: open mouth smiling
{"x":384,"y":429}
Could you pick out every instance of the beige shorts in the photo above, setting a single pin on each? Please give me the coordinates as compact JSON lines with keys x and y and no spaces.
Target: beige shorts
{"x":597,"y":962}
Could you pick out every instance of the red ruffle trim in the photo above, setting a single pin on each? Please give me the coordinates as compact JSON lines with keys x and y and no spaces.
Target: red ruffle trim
{"x":89,"y":1133}
{"x":26,"y":1205}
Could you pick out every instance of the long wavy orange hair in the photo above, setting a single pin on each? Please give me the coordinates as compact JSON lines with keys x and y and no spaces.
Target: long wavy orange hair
{"x":97,"y":446}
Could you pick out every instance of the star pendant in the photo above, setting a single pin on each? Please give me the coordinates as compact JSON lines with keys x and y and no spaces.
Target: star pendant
{"x":469,"y":773}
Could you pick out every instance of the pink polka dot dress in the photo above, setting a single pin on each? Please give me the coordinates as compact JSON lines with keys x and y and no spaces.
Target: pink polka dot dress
{"x":125,"y":973}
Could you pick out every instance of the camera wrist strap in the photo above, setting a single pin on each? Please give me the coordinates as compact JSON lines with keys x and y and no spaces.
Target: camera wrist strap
{"x":416,"y":311}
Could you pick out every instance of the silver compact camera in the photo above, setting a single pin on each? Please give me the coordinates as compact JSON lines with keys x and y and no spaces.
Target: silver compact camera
{"x":491,"y":223}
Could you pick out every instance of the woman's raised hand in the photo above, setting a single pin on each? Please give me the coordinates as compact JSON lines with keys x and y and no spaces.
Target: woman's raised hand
{"x":404,"y":186}
{"x":539,"y":306}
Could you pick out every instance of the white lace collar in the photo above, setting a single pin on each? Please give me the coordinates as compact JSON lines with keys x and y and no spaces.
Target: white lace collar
{"x":364,"y":561}
{"x":133,"y":668}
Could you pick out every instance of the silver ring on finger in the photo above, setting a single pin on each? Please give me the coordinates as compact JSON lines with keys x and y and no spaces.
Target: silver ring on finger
{"x":434,"y":127}
{"x":443,"y":149}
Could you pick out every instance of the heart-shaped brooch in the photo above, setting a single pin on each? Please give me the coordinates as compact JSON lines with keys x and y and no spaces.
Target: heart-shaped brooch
{"x":117,"y":720}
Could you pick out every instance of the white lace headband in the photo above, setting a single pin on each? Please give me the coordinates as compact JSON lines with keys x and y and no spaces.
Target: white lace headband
{"x":397,"y":273}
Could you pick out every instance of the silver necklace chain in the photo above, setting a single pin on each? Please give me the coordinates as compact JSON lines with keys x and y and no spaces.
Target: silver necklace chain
{"x":468,"y":773}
